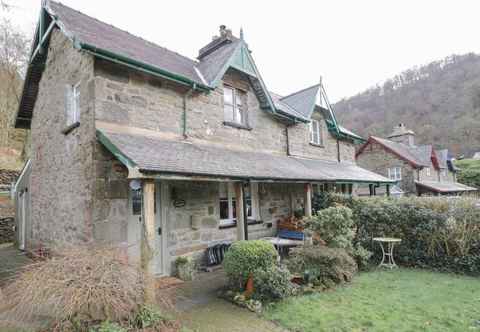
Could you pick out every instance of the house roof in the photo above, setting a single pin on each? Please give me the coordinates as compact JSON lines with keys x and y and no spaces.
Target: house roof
{"x":151,"y":153}
{"x":303,"y":101}
{"x":416,"y":156}
{"x":444,"y":187}
{"x":111,"y":43}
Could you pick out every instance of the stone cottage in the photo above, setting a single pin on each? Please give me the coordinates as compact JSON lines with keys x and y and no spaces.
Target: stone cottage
{"x":132,"y":142}
{"x":418,"y":169}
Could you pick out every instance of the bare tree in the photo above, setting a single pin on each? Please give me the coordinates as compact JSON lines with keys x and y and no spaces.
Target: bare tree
{"x":14,"y":55}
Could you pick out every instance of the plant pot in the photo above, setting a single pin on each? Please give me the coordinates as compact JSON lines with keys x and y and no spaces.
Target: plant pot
{"x":249,"y":289}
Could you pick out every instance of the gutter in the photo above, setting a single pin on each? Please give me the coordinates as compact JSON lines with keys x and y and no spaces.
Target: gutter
{"x":185,"y":97}
{"x":140,"y":66}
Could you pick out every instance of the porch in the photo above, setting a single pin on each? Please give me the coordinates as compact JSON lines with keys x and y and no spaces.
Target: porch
{"x":190,"y":195}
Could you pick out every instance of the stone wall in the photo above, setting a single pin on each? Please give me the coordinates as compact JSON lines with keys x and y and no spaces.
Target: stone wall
{"x":62,"y":167}
{"x":376,"y":159}
{"x":7,"y":234}
{"x":202,"y":209}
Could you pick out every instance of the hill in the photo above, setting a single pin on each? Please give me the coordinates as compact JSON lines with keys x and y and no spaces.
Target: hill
{"x":469,"y":172}
{"x":440,"y":101}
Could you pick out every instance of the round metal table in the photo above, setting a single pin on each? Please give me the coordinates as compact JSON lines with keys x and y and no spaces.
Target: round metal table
{"x":387,"y":259}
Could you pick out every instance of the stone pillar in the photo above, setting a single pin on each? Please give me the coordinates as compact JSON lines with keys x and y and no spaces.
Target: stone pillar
{"x":240,"y":211}
{"x":308,"y":200}
{"x":148,"y":238}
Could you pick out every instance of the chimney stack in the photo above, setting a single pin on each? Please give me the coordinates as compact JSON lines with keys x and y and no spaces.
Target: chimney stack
{"x":225,"y":37}
{"x":401,"y":134}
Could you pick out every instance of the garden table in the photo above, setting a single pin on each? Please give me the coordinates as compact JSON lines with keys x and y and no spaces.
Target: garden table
{"x":387,"y":255}
{"x":283,"y":245}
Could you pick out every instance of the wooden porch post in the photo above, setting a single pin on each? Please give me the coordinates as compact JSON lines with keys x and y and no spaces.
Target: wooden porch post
{"x":241,"y":230}
{"x":148,"y":238}
{"x":388,"y":190}
{"x":370,"y":187}
{"x":308,"y":200}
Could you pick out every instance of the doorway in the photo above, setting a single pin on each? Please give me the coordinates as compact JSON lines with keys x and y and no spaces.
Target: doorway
{"x":134,"y":229}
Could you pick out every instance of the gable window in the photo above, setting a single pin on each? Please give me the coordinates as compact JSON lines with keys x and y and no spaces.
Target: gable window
{"x":72,"y":104}
{"x":395,"y":173}
{"x":227,"y":203}
{"x":315,"y":133}
{"x":233,"y":109}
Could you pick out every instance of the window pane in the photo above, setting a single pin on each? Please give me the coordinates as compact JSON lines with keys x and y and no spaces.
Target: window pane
{"x":228,"y":96}
{"x":228,"y":113}
{"x":248,"y":203}
{"x":136,"y":202}
{"x":234,"y":209}
{"x":238,"y":115}
{"x":238,"y":97}
{"x":224,"y":209}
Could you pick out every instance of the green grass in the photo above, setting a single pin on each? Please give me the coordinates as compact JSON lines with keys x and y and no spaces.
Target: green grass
{"x":398,"y":300}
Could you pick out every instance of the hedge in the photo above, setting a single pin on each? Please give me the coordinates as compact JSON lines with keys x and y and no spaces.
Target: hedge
{"x":436,"y":233}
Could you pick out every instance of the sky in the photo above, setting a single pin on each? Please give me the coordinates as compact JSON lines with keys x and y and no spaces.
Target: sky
{"x":351,"y":44}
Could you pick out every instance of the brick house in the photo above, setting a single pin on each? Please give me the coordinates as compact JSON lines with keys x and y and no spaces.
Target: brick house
{"x":419,"y":169}
{"x":129,"y":138}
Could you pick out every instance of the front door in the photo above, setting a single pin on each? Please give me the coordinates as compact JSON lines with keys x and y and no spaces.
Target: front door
{"x":134,"y":230}
{"x":22,"y":218}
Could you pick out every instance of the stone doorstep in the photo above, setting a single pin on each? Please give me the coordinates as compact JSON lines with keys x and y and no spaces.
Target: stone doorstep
{"x":168,"y":282}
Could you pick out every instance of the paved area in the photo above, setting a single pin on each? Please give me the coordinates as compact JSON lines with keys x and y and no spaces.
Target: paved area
{"x":200,"y":309}
{"x":11,"y":260}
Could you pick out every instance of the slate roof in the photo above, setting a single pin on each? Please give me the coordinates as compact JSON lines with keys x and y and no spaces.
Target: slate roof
{"x":303,"y":101}
{"x":159,"y":155}
{"x":414,"y":155}
{"x":105,"y":36}
{"x":444,"y":187}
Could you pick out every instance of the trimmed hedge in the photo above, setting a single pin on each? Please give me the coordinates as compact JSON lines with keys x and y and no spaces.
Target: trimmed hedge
{"x":437,"y":233}
{"x":245,"y":257}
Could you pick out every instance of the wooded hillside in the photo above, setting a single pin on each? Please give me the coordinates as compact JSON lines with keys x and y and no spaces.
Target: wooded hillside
{"x":439,"y":101}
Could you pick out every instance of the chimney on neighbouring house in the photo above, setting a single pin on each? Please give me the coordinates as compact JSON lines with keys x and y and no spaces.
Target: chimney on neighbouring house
{"x":225,"y":37}
{"x":401,"y":134}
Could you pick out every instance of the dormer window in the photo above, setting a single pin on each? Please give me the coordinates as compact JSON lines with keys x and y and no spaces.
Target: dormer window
{"x":233,"y":108}
{"x":315,"y":133}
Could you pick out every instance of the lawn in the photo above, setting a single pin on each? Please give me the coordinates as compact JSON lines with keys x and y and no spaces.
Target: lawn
{"x":398,"y":300}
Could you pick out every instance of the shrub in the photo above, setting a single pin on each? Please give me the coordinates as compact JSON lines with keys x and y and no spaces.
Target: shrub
{"x":440,"y":233}
{"x":185,"y":268}
{"x":322,"y":265}
{"x":79,"y":284}
{"x":335,"y":226}
{"x":244,"y":257}
{"x":273,"y":283}
{"x":147,"y":317}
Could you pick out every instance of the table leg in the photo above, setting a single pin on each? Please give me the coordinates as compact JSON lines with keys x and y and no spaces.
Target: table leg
{"x":383,"y":255}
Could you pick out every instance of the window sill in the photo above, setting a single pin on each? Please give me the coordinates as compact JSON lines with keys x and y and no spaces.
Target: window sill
{"x":226,"y":226}
{"x":250,"y":223}
{"x":71,"y":127}
{"x":316,"y":145}
{"x":236,"y":125}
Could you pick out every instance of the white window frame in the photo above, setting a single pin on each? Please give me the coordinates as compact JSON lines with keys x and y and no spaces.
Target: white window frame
{"x":427,"y":171}
{"x":395,"y":173}
{"x":238,"y":108}
{"x":230,"y":190}
{"x":72,"y":105}
{"x":315,"y":128}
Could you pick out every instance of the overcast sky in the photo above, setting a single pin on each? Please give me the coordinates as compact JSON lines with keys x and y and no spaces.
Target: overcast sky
{"x":352,"y":44}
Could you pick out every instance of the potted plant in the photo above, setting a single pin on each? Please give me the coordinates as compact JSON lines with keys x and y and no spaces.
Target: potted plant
{"x":185,"y":268}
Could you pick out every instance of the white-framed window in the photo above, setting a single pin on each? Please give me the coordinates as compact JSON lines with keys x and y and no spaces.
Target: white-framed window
{"x":444,"y":173}
{"x":227,"y":203}
{"x":315,"y":132}
{"x":233,"y":109}
{"x":395,"y":173}
{"x":72,"y":104}
{"x":427,"y":171}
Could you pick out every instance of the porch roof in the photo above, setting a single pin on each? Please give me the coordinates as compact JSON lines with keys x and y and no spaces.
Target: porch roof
{"x":153,"y":154}
{"x":444,"y":187}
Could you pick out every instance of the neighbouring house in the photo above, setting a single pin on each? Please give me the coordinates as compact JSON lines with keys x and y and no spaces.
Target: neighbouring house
{"x":129,"y":138}
{"x":418,"y":169}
